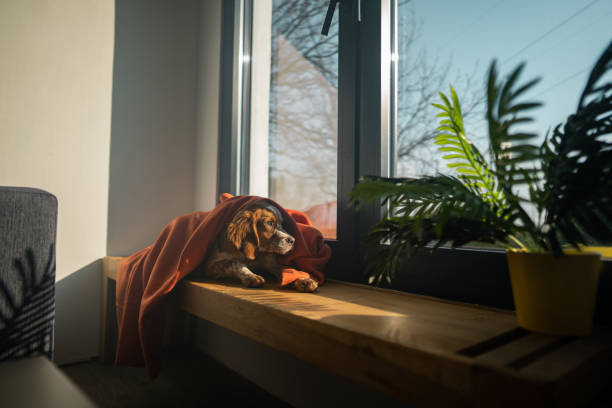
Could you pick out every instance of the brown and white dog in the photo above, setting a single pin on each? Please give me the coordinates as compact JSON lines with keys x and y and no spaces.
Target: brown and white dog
{"x":247,"y":247}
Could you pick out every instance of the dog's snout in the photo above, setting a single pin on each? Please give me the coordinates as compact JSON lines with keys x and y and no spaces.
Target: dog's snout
{"x":283,"y":242}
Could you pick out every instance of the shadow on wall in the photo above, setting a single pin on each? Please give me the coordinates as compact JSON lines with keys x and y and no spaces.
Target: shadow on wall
{"x":153,"y":125}
{"x":77,"y":314}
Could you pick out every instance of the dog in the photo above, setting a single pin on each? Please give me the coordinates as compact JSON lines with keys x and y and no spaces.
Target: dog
{"x":247,"y":248}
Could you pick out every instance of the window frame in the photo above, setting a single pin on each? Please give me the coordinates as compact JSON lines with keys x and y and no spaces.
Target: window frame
{"x":364,"y":119}
{"x":234,"y":96}
{"x":366,"y":140}
{"x":364,"y":131}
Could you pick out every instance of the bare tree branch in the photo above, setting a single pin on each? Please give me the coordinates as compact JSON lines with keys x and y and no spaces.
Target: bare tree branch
{"x":304,"y":100}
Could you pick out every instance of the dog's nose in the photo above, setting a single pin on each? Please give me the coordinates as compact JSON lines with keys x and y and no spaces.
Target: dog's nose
{"x":290,"y":240}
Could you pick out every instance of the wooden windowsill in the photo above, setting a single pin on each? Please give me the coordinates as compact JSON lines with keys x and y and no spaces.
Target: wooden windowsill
{"x":423,"y":350}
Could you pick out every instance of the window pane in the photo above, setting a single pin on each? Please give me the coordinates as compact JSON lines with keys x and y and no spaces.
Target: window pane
{"x":303,"y":111}
{"x":443,"y":43}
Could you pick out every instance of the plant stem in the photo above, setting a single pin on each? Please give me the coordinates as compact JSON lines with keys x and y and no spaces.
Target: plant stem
{"x":517,"y":241}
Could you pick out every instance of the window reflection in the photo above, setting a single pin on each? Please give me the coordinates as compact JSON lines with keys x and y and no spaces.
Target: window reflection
{"x":303,"y":111}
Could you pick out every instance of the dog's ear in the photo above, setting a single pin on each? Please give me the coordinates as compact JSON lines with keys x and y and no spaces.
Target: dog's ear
{"x":257,"y":215}
{"x":239,"y":228}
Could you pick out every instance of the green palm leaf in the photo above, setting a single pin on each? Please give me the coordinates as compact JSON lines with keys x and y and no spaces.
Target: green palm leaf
{"x":434,"y":211}
{"x":577,"y":165}
{"x":509,"y":148}
{"x":513,"y":154}
{"x":465,"y":157}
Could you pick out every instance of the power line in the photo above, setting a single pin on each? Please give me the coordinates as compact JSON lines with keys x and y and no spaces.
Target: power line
{"x":546,"y":34}
{"x":575,"y":74}
{"x":582,"y":30}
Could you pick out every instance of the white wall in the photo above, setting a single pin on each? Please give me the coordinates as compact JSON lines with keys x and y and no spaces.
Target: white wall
{"x":121,"y":173}
{"x":55,"y":107}
{"x":56,"y":61}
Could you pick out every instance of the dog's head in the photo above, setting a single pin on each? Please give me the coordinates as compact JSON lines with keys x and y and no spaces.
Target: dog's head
{"x":258,"y":228}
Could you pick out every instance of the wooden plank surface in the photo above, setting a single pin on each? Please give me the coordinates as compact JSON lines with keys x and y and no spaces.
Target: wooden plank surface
{"x":298,"y":324}
{"x":579,"y":371}
{"x":571,"y":356}
{"x":109,"y":266}
{"x":384,"y":339}
{"x":516,"y":350}
{"x":427,"y":351}
{"x":407,"y":320}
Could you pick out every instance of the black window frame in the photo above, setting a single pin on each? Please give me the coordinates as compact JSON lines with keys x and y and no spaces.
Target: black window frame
{"x":366,"y":139}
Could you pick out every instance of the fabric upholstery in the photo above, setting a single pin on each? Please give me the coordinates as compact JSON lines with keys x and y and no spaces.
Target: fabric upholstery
{"x":28,"y":222}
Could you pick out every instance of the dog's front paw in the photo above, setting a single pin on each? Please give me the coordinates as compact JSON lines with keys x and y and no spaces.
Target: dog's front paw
{"x":306,"y":285}
{"x":253,"y":281}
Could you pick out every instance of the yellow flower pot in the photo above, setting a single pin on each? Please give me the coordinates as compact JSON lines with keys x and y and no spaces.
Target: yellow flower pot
{"x":555,"y":295}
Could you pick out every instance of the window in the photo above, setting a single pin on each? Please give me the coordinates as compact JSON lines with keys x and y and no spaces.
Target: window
{"x":304,"y":116}
{"x":295,"y":108}
{"x":324,"y":111}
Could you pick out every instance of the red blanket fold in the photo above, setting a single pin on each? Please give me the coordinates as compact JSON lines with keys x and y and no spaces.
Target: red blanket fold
{"x":146,"y":277}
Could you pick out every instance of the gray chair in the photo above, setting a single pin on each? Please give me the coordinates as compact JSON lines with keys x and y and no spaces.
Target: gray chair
{"x":28,"y":222}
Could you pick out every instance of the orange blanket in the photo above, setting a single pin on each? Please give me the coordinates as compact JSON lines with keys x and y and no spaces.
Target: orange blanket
{"x":146,"y":277}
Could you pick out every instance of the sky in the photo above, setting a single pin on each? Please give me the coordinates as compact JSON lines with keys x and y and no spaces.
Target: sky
{"x":559,"y":40}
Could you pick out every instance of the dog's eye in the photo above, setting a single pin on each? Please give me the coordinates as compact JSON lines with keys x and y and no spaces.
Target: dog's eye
{"x":269,"y":223}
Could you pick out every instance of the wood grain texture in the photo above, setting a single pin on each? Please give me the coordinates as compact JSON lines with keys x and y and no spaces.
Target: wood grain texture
{"x":579,"y":372}
{"x":286,"y":321}
{"x":400,"y":318}
{"x":402,"y":344}
{"x":426,"y":351}
{"x":517,"y":349}
{"x":109,"y":266}
{"x":571,"y":356}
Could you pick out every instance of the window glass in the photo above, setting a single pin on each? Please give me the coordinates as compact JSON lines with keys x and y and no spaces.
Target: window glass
{"x":452,"y":42}
{"x":302,"y":102}
{"x":442,"y":43}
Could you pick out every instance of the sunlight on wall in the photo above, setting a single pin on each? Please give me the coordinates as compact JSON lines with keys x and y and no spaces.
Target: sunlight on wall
{"x":55,"y":106}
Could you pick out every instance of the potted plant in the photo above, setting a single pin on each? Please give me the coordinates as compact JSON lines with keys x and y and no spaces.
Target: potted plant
{"x":567,"y":181}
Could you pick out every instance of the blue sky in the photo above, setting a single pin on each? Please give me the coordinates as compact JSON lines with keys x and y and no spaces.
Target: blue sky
{"x":473,"y":32}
